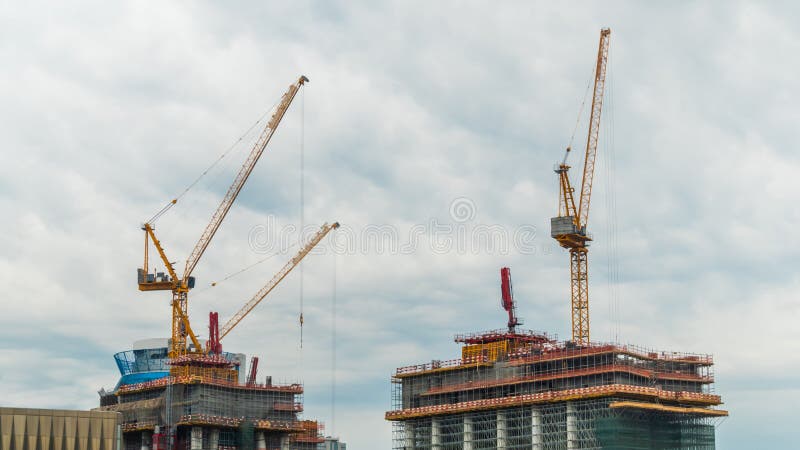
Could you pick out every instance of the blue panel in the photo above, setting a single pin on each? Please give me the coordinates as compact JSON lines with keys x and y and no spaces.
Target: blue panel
{"x":140,"y":378}
{"x":138,"y":366}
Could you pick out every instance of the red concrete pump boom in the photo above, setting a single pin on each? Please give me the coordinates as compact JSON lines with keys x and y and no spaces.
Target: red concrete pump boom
{"x":508,"y":298}
{"x":213,"y":344}
{"x":251,"y":376}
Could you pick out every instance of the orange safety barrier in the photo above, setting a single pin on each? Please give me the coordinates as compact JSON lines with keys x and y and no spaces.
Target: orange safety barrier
{"x":666,"y":408}
{"x":311,"y":433}
{"x":206,"y":419}
{"x":555,"y":354}
{"x":192,"y":379}
{"x":563,"y":353}
{"x":138,"y":425}
{"x":288,"y":406}
{"x":442,"y":365}
{"x":233,"y":422}
{"x":556,"y":396}
{"x":279,"y":425}
{"x":608,"y":368}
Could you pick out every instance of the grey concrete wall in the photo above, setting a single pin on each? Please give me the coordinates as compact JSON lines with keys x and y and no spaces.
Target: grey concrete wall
{"x":58,"y":429}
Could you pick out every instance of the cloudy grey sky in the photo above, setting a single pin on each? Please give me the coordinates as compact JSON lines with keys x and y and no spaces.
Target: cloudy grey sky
{"x":110,"y":109}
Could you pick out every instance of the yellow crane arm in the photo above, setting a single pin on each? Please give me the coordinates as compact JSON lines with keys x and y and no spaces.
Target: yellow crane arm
{"x":594,"y":128}
{"x":566,"y":202}
{"x":241,"y":178}
{"x":149,"y":232}
{"x":326,"y":228}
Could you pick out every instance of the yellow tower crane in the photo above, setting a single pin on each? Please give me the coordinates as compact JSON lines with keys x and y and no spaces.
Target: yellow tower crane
{"x":180,"y":285}
{"x":216,"y":334}
{"x":569,"y":227}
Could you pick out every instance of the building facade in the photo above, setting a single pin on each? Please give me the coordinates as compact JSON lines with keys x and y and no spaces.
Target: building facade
{"x":199,"y":402}
{"x":332,"y":443}
{"x":527,"y":391}
{"x":59,"y":429}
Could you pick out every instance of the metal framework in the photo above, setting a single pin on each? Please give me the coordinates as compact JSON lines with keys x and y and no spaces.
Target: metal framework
{"x":200,"y":404}
{"x":180,"y":286}
{"x":264,"y":291}
{"x":594,"y":127}
{"x":586,"y":424}
{"x":579,"y":288}
{"x":241,"y":177}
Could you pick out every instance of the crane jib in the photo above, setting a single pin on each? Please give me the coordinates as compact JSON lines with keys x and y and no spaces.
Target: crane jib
{"x":180,"y":287}
{"x":276,"y":279}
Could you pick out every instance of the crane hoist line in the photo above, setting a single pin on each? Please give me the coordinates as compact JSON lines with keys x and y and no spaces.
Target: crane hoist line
{"x":216,"y":334}
{"x":180,"y":284}
{"x":569,"y":227}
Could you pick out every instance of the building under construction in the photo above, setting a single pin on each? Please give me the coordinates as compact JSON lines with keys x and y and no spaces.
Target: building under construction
{"x":526,"y":390}
{"x":204,"y":402}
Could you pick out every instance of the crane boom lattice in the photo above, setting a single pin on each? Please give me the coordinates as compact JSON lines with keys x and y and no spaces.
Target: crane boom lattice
{"x":276,"y":279}
{"x":594,"y":128}
{"x":241,"y":177}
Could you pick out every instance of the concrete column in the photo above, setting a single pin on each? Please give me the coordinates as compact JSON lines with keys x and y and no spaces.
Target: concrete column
{"x":436,"y":433}
{"x":261,"y":441}
{"x":213,"y":439}
{"x":572,"y":427}
{"x":408,"y":431}
{"x":147,"y":440}
{"x":285,"y":443}
{"x":468,"y":444}
{"x":197,"y":438}
{"x":502,"y":430}
{"x":536,"y":428}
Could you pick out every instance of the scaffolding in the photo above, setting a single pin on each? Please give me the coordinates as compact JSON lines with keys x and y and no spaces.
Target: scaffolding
{"x":584,"y":424}
{"x":527,"y":390}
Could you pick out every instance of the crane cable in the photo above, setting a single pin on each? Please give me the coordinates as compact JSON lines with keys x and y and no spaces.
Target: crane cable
{"x":172,"y":202}
{"x":574,"y":131}
{"x":302,"y":200}
{"x":333,"y":345}
{"x":612,"y":255}
{"x":580,"y":113}
{"x":617,"y":271}
{"x":246,"y":268}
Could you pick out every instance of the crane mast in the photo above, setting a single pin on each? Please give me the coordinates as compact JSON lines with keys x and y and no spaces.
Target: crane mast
{"x":569,"y":227}
{"x":180,"y":286}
